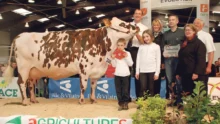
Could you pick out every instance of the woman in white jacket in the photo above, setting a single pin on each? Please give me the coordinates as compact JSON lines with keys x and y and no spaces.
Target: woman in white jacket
{"x":148,"y":63}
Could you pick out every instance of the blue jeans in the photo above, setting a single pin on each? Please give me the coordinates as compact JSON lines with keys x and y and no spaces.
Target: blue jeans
{"x":170,"y":68}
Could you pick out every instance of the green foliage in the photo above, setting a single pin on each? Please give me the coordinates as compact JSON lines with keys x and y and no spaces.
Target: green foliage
{"x":196,"y":106}
{"x":151,"y":111}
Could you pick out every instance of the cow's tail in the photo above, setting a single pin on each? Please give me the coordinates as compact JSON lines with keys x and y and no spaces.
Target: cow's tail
{"x":8,"y":73}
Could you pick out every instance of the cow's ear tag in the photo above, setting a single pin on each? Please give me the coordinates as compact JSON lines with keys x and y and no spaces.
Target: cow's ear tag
{"x":107,"y":22}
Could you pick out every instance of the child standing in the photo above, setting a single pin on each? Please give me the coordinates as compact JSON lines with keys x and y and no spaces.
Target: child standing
{"x":122,"y":74}
{"x":148,"y":63}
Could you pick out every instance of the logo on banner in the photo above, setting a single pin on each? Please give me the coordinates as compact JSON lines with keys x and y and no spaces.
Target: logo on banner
{"x":16,"y":120}
{"x":103,"y":86}
{"x":3,"y":84}
{"x":65,"y":85}
{"x":214,"y":86}
{"x":204,"y":8}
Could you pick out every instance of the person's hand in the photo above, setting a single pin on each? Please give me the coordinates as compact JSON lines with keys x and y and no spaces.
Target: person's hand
{"x":156,"y":77}
{"x":113,"y":56}
{"x":194,"y":76}
{"x":177,"y":77}
{"x":208,"y":70}
{"x":137,"y":76}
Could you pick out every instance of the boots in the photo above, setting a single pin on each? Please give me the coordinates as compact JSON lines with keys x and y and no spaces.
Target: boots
{"x":125,"y":106}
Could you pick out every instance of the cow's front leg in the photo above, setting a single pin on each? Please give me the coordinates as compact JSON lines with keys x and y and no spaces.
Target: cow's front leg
{"x":83,"y":86}
{"x":32,"y":94}
{"x":93,"y":88}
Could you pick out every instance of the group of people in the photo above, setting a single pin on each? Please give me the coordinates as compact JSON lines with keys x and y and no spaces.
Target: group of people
{"x":145,"y":58}
{"x":217,"y":68}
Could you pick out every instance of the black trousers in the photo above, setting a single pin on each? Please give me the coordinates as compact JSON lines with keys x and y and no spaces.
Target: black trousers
{"x":134,"y":51}
{"x":122,"y":88}
{"x":147,"y":83}
{"x":157,"y":85}
{"x":188,"y":84}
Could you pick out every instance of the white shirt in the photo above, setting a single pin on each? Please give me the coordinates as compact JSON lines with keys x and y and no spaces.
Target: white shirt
{"x":148,"y":59}
{"x":122,"y":65}
{"x":135,"y":42}
{"x":207,"y":39}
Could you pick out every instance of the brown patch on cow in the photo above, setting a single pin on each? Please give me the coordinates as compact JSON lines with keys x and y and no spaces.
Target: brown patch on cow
{"x":85,"y":65}
{"x":73,"y":46}
{"x":92,"y":63}
{"x":35,"y":41}
{"x":65,"y":37}
{"x":85,"y":79}
{"x":16,"y":48}
{"x":100,"y":59}
{"x":49,"y":65}
{"x":64,"y":55}
{"x":82,"y":100}
{"x":32,"y":54}
{"x":82,"y":68}
{"x":92,"y":83}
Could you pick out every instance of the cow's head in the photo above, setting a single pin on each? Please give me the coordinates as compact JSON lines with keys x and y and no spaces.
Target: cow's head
{"x":123,"y":29}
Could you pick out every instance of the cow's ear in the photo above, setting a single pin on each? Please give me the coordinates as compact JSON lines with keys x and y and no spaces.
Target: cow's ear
{"x":107,"y":22}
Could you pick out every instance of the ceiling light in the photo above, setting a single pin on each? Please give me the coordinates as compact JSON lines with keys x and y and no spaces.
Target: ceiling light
{"x":216,"y":12}
{"x":31,"y":1}
{"x":76,"y":1}
{"x":166,"y":16}
{"x":100,"y":15}
{"x":1,"y":16}
{"x":213,"y":29}
{"x":52,"y":16}
{"x":43,"y":19}
{"x":120,"y":1}
{"x":77,"y":12}
{"x":89,"y":7}
{"x":59,"y":2}
{"x":60,"y":26}
{"x":26,"y":25}
{"x":90,"y":20}
{"x":46,"y":30}
{"x":22,"y":11}
{"x":127,"y":10}
{"x":100,"y":25}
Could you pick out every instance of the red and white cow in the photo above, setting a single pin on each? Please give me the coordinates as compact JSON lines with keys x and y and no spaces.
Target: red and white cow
{"x":61,"y":54}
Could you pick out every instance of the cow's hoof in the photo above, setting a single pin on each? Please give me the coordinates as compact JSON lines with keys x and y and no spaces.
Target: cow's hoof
{"x":93,"y":101}
{"x":34,"y":101}
{"x":25,"y":103}
{"x":82,"y":101}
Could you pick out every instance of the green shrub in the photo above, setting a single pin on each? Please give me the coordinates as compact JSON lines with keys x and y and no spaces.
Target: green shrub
{"x":151,"y":111}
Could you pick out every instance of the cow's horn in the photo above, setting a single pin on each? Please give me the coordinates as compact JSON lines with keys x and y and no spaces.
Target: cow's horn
{"x":107,"y":22}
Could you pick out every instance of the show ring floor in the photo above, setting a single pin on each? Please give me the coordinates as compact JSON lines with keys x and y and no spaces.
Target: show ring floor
{"x":67,"y":108}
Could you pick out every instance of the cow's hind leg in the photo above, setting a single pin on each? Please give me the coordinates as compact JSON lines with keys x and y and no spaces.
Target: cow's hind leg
{"x":83,"y":86}
{"x":93,"y":88}
{"x":32,"y":94}
{"x":24,"y":74}
{"x":22,"y":87}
